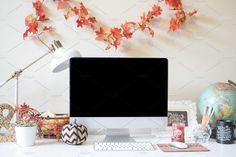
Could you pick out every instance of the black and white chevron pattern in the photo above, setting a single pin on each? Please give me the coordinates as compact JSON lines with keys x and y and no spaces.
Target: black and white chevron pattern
{"x":74,"y":134}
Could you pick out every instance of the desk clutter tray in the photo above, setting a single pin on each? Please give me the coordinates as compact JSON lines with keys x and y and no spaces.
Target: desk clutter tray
{"x":192,"y":147}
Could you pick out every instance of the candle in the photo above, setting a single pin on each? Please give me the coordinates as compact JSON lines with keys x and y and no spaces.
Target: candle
{"x":178,"y":132}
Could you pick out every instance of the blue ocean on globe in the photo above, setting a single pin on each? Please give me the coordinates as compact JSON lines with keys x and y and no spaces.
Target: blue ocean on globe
{"x":222,"y":97}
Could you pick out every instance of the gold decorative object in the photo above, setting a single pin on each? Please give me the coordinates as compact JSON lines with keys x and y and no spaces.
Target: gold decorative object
{"x":53,"y":123}
{"x":5,"y":122}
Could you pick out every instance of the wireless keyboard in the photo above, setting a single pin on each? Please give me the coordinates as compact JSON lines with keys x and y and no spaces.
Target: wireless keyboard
{"x":120,"y":146}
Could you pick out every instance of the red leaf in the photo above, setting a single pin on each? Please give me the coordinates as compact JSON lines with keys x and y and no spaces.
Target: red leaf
{"x":75,"y":10}
{"x":40,"y":12}
{"x":99,"y":33}
{"x":33,"y":27}
{"x":156,"y":10}
{"x":174,"y":25}
{"x":116,"y":32}
{"x":25,"y":34}
{"x":29,"y":19}
{"x":151,"y":32}
{"x":173,"y":3}
{"x":92,"y":26}
{"x":48,"y":29}
{"x":83,"y":10}
{"x":61,"y":5}
{"x":37,"y":5}
{"x":149,"y":16}
{"x":82,"y":21}
{"x":92,"y":19}
{"x":117,"y":42}
{"x":143,"y":23}
{"x":127,"y":28}
{"x":43,"y":18}
{"x":192,"y":12}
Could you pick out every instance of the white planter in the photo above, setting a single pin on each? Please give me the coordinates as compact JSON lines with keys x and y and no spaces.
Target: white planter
{"x":25,"y":136}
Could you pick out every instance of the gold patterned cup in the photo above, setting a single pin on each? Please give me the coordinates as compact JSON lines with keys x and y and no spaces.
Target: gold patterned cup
{"x":52,"y":126}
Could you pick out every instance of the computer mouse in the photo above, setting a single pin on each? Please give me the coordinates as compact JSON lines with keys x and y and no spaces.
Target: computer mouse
{"x":179,"y":145}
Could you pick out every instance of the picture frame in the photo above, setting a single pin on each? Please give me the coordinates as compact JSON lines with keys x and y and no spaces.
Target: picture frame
{"x":184,"y":106}
{"x":188,"y":110}
{"x":177,"y":117}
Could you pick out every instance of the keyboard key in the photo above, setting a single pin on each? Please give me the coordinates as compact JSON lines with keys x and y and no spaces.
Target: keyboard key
{"x":119,"y":146}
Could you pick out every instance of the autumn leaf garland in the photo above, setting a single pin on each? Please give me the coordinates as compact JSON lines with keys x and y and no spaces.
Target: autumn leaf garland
{"x":32,"y":21}
{"x":113,"y":37}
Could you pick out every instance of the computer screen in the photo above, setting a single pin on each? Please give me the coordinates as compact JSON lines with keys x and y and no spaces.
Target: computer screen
{"x":118,"y":87}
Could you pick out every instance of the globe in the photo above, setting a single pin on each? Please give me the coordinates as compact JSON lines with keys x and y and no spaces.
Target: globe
{"x":222,"y":97}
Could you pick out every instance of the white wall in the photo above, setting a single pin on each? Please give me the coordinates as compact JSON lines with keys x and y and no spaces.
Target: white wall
{"x":203,"y":52}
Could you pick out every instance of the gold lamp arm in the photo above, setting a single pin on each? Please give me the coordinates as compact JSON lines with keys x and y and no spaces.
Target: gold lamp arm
{"x":16,"y":74}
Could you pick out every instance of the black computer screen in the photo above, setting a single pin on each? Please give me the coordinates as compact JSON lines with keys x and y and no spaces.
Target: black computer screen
{"x":118,"y":87}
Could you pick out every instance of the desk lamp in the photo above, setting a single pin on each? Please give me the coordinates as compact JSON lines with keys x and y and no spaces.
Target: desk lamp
{"x":59,"y":63}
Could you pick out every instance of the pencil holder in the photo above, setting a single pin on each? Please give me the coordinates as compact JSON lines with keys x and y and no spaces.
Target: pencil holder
{"x":202,"y":133}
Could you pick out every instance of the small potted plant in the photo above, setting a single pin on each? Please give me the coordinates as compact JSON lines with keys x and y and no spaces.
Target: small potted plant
{"x":27,"y":123}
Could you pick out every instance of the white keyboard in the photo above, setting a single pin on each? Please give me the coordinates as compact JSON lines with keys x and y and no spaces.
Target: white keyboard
{"x":120,"y":146}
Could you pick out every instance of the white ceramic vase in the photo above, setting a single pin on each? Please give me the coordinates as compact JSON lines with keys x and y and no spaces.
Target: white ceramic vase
{"x":25,"y":136}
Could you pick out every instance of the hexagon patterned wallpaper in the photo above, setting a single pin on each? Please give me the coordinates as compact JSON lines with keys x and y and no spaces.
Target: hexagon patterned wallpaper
{"x":202,"y":52}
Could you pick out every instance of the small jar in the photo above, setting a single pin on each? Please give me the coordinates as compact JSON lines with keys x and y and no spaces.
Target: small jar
{"x":225,"y":132}
{"x":201,"y":133}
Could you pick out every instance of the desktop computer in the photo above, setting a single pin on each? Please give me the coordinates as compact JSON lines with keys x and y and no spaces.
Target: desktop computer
{"x":118,"y":94}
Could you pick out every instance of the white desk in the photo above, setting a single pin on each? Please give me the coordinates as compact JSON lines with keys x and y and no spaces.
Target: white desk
{"x":51,"y":148}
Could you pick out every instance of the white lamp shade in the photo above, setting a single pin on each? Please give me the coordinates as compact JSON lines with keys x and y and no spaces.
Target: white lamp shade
{"x":61,"y":59}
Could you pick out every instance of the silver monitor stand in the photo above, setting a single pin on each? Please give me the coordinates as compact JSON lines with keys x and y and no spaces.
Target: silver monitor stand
{"x":118,"y":135}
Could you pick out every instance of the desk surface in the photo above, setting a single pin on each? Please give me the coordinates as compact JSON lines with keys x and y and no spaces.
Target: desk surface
{"x":51,"y":148}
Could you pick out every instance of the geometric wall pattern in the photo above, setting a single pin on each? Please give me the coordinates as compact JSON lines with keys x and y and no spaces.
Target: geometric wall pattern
{"x":203,"y":52}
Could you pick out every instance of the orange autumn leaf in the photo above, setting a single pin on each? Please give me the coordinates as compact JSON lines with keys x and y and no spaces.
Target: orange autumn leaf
{"x":25,"y":34}
{"x":32,"y":28}
{"x":37,"y":5}
{"x":43,"y":18}
{"x":92,"y":19}
{"x":48,"y":29}
{"x":82,"y":21}
{"x":75,"y":10}
{"x":39,"y":8}
{"x":174,"y":25}
{"x":100,"y":34}
{"x":115,"y":34}
{"x":173,"y":3}
{"x":149,"y":16}
{"x":127,"y":29}
{"x":83,"y":10}
{"x":29,"y":19}
{"x":143,"y":22}
{"x":151,"y":32}
{"x":61,"y":5}
{"x":192,"y":12}
{"x":156,"y":10}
